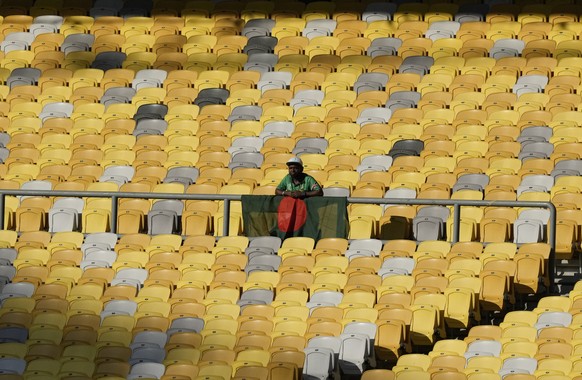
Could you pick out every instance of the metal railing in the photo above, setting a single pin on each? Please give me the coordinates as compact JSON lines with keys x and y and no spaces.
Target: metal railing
{"x":227,"y":198}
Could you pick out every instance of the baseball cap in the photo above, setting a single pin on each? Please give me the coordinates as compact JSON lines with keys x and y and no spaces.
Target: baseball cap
{"x":295,"y":161}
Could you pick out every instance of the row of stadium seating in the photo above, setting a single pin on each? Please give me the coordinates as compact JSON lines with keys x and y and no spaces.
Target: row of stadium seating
{"x":367,"y":10}
{"x":194,"y":303}
{"x":477,"y":101}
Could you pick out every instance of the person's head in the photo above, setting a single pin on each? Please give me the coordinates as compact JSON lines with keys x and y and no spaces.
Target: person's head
{"x":295,"y":166}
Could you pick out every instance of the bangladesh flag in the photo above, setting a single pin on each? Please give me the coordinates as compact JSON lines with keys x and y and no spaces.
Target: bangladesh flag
{"x":316,"y":217}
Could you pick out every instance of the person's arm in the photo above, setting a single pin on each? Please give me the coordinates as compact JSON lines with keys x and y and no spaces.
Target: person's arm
{"x":313,"y":193}
{"x":280,"y":190}
{"x":283,"y":192}
{"x":316,"y":190}
{"x":299,"y":194}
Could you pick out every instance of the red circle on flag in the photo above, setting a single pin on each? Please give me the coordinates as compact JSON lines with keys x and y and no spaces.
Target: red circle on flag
{"x":291,"y":214}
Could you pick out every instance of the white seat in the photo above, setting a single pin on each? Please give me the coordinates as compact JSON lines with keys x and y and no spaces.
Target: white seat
{"x":530,"y":83}
{"x":379,"y":160}
{"x":553,"y":318}
{"x":146,"y":370}
{"x":518,"y":365}
{"x":57,"y":109}
{"x":353,"y":353}
{"x":156,"y":339}
{"x":319,"y":28}
{"x":131,"y":277}
{"x":374,"y":245}
{"x":384,"y":46}
{"x":120,"y":170}
{"x":367,"y":329}
{"x":442,"y":29}
{"x":12,"y":366}
{"x":77,"y":42}
{"x":334,"y":298}
{"x":485,"y":347}
{"x":121,"y":307}
{"x":318,"y":364}
{"x":399,"y":193}
{"x":149,"y":78}
{"x":274,"y":80}
{"x":379,"y":11}
{"x":307,"y":98}
{"x":506,"y":47}
{"x":374,"y":115}
{"x":332,"y":343}
{"x":405,"y":264}
{"x":99,"y":258}
{"x":17,"y":289}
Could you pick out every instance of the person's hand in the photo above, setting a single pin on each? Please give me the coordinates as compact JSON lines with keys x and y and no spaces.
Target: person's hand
{"x":296,"y":194}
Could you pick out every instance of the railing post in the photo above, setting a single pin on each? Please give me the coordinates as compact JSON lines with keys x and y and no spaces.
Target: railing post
{"x":226,"y":218}
{"x":552,"y":243}
{"x":2,"y":211}
{"x":113,"y":221}
{"x":456,"y":222}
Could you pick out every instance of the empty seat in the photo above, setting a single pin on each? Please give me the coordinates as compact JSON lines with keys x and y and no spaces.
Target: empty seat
{"x":536,"y":182}
{"x":12,"y":366}
{"x":530,"y":83}
{"x":26,"y":76}
{"x":250,"y":112}
{"x":397,"y":265}
{"x":442,"y":29}
{"x":209,"y":96}
{"x":58,"y":109}
{"x":311,"y":145}
{"x":553,"y":318}
{"x":164,"y":217}
{"x":77,"y":42}
{"x":117,"y":95}
{"x":17,"y":41}
{"x":379,"y":11}
{"x":429,"y":223}
{"x":406,"y":148}
{"x":374,"y":115}
{"x":149,"y":78}
{"x":123,"y":172}
{"x":370,"y":82}
{"x":274,"y":80}
{"x":186,"y":324}
{"x":65,"y":215}
{"x":403,"y":99}
{"x":472,"y":182}
{"x":261,"y":62}
{"x":319,"y":28}
{"x":318,"y":363}
{"x":384,"y":46}
{"x":307,"y":98}
{"x":246,"y":144}
{"x":247,"y":160}
{"x":183,"y":175}
{"x":536,"y":149}
{"x":471,"y":12}
{"x":416,"y":64}
{"x":146,"y":126}
{"x":506,"y":47}
{"x":150,"y":111}
{"x":146,"y":371}
{"x":130,"y":277}
{"x":108,"y":60}
{"x":518,"y":365}
{"x":258,"y":27}
{"x":353,"y":353}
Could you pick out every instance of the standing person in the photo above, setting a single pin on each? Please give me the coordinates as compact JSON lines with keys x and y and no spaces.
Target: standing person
{"x":297,"y":184}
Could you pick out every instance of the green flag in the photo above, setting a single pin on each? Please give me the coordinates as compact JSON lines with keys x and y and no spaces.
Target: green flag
{"x":316,"y":217}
